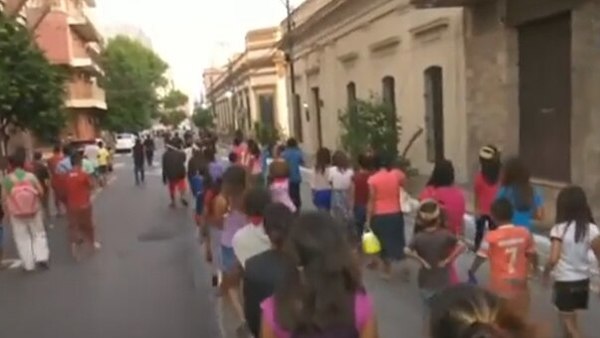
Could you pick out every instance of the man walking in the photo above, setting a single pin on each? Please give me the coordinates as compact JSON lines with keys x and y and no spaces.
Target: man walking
{"x":138,"y":162}
{"x":149,"y":149}
{"x":103,"y":162}
{"x":174,"y":173}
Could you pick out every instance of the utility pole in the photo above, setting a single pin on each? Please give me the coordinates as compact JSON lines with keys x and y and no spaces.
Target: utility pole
{"x":290,"y":61}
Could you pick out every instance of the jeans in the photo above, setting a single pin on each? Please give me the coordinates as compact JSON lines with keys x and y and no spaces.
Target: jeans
{"x":294,"y":188}
{"x":139,"y":173}
{"x":150,"y":157}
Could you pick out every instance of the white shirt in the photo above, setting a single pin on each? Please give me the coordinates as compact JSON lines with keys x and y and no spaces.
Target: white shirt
{"x":91,"y":152}
{"x":188,"y":153}
{"x":249,"y":241}
{"x":320,"y":181}
{"x":575,"y":263}
{"x":340,"y":180}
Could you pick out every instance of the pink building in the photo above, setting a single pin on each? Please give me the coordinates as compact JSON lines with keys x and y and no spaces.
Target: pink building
{"x":70,"y":38}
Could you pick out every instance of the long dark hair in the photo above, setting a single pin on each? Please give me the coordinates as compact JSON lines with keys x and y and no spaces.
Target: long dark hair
{"x":382,"y":160}
{"x":234,"y":185}
{"x":442,"y":174}
{"x":323,"y":159}
{"x":572,"y":207}
{"x":516,"y":176}
{"x":489,"y":161}
{"x":321,"y":280}
{"x":340,"y":160}
{"x":253,"y":147}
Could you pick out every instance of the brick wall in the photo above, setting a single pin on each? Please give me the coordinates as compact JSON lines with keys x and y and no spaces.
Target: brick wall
{"x":52,"y":37}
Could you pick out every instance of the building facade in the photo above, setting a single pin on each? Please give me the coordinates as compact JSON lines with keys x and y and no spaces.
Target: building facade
{"x":387,"y":50}
{"x":252,"y":86}
{"x":533,"y":73}
{"x":69,"y":37}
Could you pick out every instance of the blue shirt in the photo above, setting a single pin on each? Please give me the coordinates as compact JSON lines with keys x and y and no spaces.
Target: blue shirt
{"x":521,"y":217}
{"x":216,"y":170}
{"x":294,"y":159}
{"x":64,"y":166}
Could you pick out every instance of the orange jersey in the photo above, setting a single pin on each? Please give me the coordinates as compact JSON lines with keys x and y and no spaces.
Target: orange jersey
{"x":507,"y":249}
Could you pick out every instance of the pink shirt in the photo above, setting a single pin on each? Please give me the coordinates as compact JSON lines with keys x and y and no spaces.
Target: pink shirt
{"x":386,"y":187}
{"x":485,"y":194}
{"x":452,"y":200}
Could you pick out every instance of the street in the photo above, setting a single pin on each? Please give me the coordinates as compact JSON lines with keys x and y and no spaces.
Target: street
{"x":149,"y":279}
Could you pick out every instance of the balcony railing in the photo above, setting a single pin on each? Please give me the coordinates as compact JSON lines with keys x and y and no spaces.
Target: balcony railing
{"x":445,"y":3}
{"x":85,"y":95}
{"x":87,"y":64}
{"x":81,"y":22}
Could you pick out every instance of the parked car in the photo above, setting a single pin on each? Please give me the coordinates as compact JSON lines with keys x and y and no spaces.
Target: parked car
{"x":125,"y":142}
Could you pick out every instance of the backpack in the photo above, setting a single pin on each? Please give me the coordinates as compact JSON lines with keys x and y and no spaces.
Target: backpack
{"x":23,"y":198}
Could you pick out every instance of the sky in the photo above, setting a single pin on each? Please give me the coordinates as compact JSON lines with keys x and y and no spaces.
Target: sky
{"x":191,"y":35}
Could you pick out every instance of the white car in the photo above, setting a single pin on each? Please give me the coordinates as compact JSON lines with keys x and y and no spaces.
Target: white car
{"x":125,"y":142}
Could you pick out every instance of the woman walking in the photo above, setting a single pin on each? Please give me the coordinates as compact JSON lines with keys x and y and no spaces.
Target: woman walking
{"x":572,"y":238}
{"x":384,"y":213}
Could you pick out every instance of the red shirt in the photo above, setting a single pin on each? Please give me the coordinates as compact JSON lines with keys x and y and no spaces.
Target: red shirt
{"x":485,"y":194}
{"x":78,"y":186}
{"x":361,"y":187}
{"x":53,"y":163}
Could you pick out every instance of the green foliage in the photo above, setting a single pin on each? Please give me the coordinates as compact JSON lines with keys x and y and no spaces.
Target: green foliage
{"x":203,"y":118}
{"x":372,"y":125}
{"x":173,"y":118}
{"x":172,"y":111}
{"x":266,"y":134}
{"x":134,"y":73}
{"x":32,"y":90}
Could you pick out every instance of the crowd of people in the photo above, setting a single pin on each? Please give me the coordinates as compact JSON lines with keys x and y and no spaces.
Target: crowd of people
{"x":68,"y":177}
{"x":293,"y":273}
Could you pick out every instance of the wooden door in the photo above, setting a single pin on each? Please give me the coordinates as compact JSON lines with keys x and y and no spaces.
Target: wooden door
{"x":545,"y":97}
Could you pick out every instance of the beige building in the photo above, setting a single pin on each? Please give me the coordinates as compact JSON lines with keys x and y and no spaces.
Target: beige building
{"x":533,"y":77}
{"x":413,"y":59}
{"x":251,"y":87}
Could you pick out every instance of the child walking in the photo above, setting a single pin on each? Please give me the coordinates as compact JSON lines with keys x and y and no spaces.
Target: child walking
{"x":435,"y":247}
{"x":321,"y":187}
{"x":279,"y":184}
{"x":486,"y":189}
{"x":340,"y":177}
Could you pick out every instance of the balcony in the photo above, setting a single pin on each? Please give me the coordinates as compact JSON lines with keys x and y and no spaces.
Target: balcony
{"x":446,"y":3}
{"x":85,"y":95}
{"x":36,"y":12}
{"x":94,"y":49}
{"x":82,"y":24}
{"x":88,"y":65}
{"x":13,"y":7}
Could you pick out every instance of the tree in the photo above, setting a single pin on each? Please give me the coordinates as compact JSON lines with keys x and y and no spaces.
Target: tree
{"x":173,"y":118}
{"x":368,"y":124}
{"x":173,"y":108}
{"x":203,"y":118}
{"x":32,"y":90}
{"x":134,"y":73}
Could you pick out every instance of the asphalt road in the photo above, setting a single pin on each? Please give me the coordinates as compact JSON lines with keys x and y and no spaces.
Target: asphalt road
{"x":146,"y":282}
{"x":149,"y":280}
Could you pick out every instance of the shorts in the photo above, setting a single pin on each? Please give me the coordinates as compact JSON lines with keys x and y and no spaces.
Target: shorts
{"x":322,"y":199}
{"x":178,"y":185}
{"x":228,"y":259}
{"x":571,"y":296}
{"x":102,"y":169}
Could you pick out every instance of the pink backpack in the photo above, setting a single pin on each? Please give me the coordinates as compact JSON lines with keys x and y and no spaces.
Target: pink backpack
{"x":23,"y":198}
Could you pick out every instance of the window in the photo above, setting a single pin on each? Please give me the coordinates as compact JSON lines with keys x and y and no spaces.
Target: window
{"x":267,"y":109}
{"x":434,"y":113}
{"x":351,"y":94}
{"x":389,"y":92}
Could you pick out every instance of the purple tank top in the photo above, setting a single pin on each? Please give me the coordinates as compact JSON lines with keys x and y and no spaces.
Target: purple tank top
{"x":363,"y":310}
{"x":280,"y":194}
{"x":234,"y":221}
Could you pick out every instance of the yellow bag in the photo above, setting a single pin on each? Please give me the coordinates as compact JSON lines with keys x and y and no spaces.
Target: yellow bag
{"x":370,"y":243}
